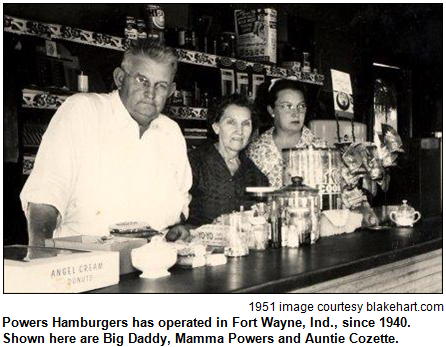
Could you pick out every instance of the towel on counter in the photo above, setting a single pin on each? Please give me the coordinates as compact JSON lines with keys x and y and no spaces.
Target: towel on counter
{"x":334,"y":222}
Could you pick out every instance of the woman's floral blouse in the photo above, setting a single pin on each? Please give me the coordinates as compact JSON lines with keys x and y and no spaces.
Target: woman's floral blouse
{"x":265,"y":154}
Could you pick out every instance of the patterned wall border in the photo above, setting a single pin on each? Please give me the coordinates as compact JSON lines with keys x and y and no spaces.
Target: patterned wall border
{"x":28,"y":164}
{"x":45,"y":100}
{"x":56,"y":31}
{"x":41,"y":99}
{"x":182,"y":112}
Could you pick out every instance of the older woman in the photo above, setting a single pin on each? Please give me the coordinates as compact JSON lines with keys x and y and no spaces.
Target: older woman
{"x":286,"y":104}
{"x":220,"y":170}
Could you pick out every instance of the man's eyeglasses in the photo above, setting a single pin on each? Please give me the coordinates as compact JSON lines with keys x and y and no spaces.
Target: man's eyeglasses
{"x":161,"y":87}
{"x":288,"y":108}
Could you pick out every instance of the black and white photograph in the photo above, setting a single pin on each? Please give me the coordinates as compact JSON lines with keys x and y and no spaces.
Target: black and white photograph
{"x":200,"y":148}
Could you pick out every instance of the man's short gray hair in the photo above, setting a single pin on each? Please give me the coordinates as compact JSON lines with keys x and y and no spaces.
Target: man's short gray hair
{"x":151,"y":49}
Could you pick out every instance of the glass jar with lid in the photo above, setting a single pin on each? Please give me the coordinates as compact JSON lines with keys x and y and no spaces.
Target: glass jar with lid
{"x":320,"y":168}
{"x":303,"y":205}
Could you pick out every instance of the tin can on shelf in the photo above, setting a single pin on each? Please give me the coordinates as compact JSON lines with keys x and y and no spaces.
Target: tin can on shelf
{"x":141,"y":28}
{"x":155,"y":22}
{"x":181,"y":37}
{"x":130,"y":31}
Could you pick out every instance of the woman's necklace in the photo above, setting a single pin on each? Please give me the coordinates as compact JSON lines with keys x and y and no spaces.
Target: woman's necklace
{"x":230,"y":161}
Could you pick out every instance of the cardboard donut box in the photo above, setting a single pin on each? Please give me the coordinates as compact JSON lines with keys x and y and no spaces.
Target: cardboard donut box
{"x":122,"y":245}
{"x":51,"y":270}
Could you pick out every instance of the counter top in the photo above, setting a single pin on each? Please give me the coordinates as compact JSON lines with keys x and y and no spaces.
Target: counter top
{"x":283,"y":270}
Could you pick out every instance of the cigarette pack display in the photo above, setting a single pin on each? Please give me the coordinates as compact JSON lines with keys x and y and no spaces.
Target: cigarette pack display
{"x":52,"y":270}
{"x":123,"y":245}
{"x":257,"y":34}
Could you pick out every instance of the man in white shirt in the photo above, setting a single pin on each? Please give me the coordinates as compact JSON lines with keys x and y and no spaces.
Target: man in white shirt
{"x":111,"y":158}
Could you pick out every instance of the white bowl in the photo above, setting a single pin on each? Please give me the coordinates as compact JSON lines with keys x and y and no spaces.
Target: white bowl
{"x":154,"y":259}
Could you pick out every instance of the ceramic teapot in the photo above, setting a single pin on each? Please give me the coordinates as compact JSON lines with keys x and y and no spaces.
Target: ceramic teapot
{"x":405,"y":215}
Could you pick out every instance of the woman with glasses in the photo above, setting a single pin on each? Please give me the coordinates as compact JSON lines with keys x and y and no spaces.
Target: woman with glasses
{"x":286,"y":105}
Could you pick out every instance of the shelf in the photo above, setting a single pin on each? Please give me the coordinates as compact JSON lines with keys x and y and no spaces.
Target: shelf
{"x":32,"y":135}
{"x":195,"y":137}
{"x":40,"y":99}
{"x":210,"y":60}
{"x":195,"y":134}
{"x":187,"y":113}
{"x":55,"y":31}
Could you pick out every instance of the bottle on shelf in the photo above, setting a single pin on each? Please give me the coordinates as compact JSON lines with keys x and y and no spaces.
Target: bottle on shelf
{"x":187,"y":97}
{"x":214,"y":45}
{"x":82,"y":82}
{"x":205,"y":100}
{"x":284,"y":218}
{"x":194,"y":41}
{"x":306,"y":66}
{"x":205,"y":28}
{"x":275,"y":221}
{"x":187,"y":39}
{"x":197,"y":96}
{"x":181,"y":38}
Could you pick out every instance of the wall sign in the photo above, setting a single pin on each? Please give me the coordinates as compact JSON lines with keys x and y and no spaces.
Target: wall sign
{"x":342,"y":94}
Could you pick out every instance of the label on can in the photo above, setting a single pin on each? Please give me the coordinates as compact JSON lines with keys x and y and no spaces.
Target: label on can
{"x":155,"y":17}
{"x":141,"y":27}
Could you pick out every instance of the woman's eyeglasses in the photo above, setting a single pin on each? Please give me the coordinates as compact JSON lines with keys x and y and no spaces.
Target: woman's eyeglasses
{"x":161,"y":87}
{"x":288,"y":108}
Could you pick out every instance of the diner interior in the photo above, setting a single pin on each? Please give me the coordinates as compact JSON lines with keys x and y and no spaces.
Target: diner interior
{"x":392,"y":54}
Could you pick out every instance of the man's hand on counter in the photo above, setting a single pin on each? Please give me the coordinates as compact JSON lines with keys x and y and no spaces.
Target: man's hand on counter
{"x":178,"y":232}
{"x":42,"y":220}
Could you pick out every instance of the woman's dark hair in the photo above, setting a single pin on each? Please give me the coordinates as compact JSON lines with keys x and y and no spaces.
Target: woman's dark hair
{"x":282,"y":85}
{"x":217,"y":109}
